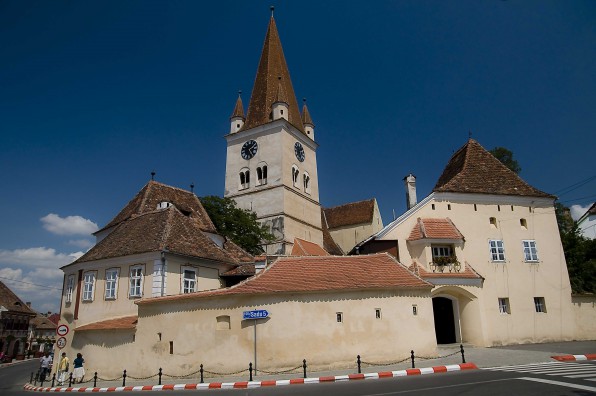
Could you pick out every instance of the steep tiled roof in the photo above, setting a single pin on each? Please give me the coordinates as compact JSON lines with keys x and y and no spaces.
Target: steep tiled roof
{"x":329,"y":243}
{"x":128,"y":322}
{"x":271,"y":66}
{"x":472,"y":169}
{"x":350,"y":214}
{"x":306,"y":248}
{"x":241,"y":270}
{"x":54,"y":318}
{"x":154,"y":193}
{"x":306,"y":119}
{"x":41,"y":322}
{"x":12,"y":303}
{"x":467,"y":273}
{"x":434,"y":229}
{"x":318,"y":274}
{"x":238,"y":109}
{"x":160,"y":230}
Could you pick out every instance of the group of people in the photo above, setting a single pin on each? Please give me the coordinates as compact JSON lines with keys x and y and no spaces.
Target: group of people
{"x":45,"y":366}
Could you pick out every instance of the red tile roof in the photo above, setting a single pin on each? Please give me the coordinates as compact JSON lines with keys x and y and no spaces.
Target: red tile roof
{"x":241,"y":270}
{"x":12,"y":302}
{"x":329,"y":243}
{"x":318,"y":274}
{"x":434,"y":229}
{"x":467,"y":273}
{"x":306,"y":248}
{"x":350,"y":214}
{"x":271,"y":66}
{"x":306,"y":118}
{"x":153,"y":193}
{"x":238,"y":109}
{"x":472,"y":169}
{"x":128,"y":322}
{"x":41,"y":322}
{"x":164,"y":229}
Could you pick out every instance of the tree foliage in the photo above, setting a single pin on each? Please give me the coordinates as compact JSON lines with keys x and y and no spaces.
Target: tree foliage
{"x":506,"y":157}
{"x":240,"y":225}
{"x":580,"y":253}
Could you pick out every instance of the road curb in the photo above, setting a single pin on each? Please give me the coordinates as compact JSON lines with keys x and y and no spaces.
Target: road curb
{"x":572,"y":358}
{"x":259,"y":384}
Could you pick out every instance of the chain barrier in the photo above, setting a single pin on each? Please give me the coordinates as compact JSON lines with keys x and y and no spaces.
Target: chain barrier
{"x":224,"y":374}
{"x":181,"y":376}
{"x":280,"y":372}
{"x":437,"y":357}
{"x":383,"y":364}
{"x":141,"y":378}
{"x":109,"y":380}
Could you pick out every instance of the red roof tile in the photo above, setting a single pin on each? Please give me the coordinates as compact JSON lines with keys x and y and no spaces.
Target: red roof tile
{"x":238,"y":109}
{"x":306,"y":248}
{"x":127,"y":322}
{"x":12,"y":302}
{"x":318,"y":274}
{"x":241,"y":270}
{"x":350,"y":214}
{"x":329,"y":243}
{"x":472,"y":169}
{"x":434,"y":229}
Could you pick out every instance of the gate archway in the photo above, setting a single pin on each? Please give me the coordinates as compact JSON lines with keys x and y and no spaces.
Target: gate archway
{"x":445,"y":312}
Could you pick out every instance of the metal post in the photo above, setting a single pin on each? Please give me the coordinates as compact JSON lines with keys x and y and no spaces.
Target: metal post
{"x":412,"y":357}
{"x":159,"y":376}
{"x":95,"y":380}
{"x":461,"y":348}
{"x":250,"y":370}
{"x":36,"y":378}
{"x":31,"y":380}
{"x":304,"y":367}
{"x":255,"y":326}
{"x":358,"y":362}
{"x":70,"y":380}
{"x":124,"y":378}
{"x":201,"y":370}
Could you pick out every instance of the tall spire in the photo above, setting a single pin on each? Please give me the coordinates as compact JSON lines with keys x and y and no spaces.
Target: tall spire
{"x":239,"y":108}
{"x":268,"y":84}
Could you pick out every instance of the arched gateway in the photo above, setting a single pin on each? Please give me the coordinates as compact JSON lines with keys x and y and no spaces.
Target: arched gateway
{"x":451,"y":319}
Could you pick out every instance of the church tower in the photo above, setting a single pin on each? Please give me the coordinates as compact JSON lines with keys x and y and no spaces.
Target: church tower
{"x":271,"y":162}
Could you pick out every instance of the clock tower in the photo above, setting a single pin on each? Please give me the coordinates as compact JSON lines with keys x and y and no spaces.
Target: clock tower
{"x":271,"y":162}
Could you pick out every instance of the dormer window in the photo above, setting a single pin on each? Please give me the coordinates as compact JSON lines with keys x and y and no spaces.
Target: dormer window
{"x":163,"y":205}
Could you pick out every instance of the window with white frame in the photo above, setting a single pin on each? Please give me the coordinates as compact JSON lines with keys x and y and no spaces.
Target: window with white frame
{"x":261,"y":174}
{"x":136,"y":281}
{"x":497,"y":250}
{"x":306,"y":182}
{"x":69,"y":288}
{"x":504,"y":306}
{"x":530,"y":251}
{"x":88,"y":286}
{"x":295,"y":175}
{"x":539,"y":304}
{"x":111,"y":283}
{"x":189,"y":280}
{"x":442,"y":251}
{"x":244,"y":178}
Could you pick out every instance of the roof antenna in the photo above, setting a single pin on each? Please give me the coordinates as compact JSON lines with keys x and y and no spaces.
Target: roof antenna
{"x":272,"y":8}
{"x":152,"y":175}
{"x":469,"y":134}
{"x":192,"y":187}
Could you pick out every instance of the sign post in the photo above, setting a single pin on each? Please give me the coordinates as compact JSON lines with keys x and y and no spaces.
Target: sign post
{"x":254,"y":315}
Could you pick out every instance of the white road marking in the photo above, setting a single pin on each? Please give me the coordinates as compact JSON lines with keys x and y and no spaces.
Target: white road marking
{"x":565,"y":384}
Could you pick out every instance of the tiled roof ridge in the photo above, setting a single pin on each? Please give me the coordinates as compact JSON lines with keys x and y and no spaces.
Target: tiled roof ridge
{"x":456,"y":229}
{"x":9,"y":300}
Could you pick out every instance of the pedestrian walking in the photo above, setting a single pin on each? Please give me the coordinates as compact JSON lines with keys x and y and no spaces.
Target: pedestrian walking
{"x":79,"y":371}
{"x":63,"y":369}
{"x":45,"y":364}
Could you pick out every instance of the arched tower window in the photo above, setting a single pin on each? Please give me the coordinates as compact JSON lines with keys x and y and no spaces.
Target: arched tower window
{"x":306,"y":182}
{"x":244,"y":178}
{"x":295,"y":175}
{"x":262,"y":174}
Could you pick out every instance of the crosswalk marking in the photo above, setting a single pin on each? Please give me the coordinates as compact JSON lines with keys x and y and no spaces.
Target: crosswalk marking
{"x":558,"y":369}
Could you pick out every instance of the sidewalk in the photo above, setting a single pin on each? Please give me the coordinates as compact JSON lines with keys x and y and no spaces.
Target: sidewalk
{"x":474,"y":356}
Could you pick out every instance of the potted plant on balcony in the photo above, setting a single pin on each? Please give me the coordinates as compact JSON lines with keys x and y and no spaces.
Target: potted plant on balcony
{"x":439,"y":263}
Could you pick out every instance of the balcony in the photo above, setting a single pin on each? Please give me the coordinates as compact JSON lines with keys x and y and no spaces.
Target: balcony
{"x":445,"y":264}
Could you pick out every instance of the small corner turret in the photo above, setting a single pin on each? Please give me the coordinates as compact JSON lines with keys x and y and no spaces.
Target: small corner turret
{"x":309,"y":127}
{"x":280,"y":106}
{"x":237,"y":117}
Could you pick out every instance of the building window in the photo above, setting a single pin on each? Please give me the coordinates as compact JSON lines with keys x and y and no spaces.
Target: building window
{"x":432,"y":206}
{"x":377,"y":313}
{"x":530,"y":251}
{"x":539,"y":304}
{"x":339,"y":317}
{"x":493,"y":222}
{"x":414,"y":309}
{"x":497,"y":250}
{"x":306,"y":182}
{"x":475,"y":208}
{"x":111,"y":283}
{"x":295,"y":175}
{"x":442,"y":251}
{"x":523,"y":223}
{"x":244,"y":179}
{"x":223,"y":322}
{"x":136,"y":281}
{"x":448,"y":206}
{"x":504,"y":306}
{"x":69,"y":288}
{"x":88,"y":286}
{"x":261,"y":174}
{"x":189,"y":280}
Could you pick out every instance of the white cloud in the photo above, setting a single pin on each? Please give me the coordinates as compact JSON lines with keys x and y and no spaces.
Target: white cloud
{"x":37,"y":257}
{"x":578,"y":211}
{"x":69,"y":225}
{"x":41,"y":286}
{"x":81,"y":243}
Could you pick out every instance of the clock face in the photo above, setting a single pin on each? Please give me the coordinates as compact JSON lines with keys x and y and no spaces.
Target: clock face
{"x":249,"y":149}
{"x":299,"y":151}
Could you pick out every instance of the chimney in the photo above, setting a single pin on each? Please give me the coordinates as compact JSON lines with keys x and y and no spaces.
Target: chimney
{"x":410,"y":184}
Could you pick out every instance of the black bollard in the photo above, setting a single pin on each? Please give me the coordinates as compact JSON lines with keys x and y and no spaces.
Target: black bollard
{"x":31,"y":380}
{"x":304,"y":367}
{"x":358,"y":363}
{"x":124,"y":378}
{"x":36,"y":378}
{"x":95,"y":380}
{"x":53,"y":379}
{"x":159,"y":376}
{"x":201,"y":370}
{"x":461,"y":348}
{"x":412,"y":357}
{"x":250,"y":370}
{"x":70,"y":380}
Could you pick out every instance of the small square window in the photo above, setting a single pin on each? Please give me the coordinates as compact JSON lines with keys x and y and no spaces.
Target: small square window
{"x":523,"y":223}
{"x":415,"y":310}
{"x":378,"y":313}
{"x":504,"y":306}
{"x":340,"y":317}
{"x":539,"y":304}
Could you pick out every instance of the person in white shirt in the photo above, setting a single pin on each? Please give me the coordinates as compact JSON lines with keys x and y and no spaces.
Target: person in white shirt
{"x":45,"y":366}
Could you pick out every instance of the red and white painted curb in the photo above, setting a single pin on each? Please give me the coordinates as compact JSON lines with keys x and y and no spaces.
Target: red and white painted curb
{"x":572,"y":358}
{"x":259,"y":384}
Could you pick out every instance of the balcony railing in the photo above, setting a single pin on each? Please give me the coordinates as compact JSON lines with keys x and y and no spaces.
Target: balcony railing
{"x":443,"y":264}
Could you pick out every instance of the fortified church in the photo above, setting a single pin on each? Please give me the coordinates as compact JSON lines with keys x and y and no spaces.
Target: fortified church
{"x":477,"y":261}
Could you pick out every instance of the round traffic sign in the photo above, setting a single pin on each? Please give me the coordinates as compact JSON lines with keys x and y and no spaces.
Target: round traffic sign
{"x":62,"y":330}
{"x":61,"y":343}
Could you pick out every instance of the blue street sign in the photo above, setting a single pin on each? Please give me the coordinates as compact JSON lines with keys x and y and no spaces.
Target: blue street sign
{"x":256,"y":314}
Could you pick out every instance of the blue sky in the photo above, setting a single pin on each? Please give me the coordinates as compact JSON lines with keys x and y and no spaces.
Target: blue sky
{"x":95,"y":95}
